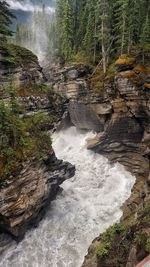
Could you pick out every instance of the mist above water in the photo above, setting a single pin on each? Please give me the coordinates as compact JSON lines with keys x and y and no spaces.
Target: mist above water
{"x":30,"y":6}
{"x":34,"y":32}
{"x":88,"y":204}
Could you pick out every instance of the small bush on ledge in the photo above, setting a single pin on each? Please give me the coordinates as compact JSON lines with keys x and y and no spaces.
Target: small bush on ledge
{"x":103,"y":250}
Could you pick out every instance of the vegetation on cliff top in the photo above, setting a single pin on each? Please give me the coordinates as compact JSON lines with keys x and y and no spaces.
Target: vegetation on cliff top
{"x":101,"y":29}
{"x":21,"y":137}
{"x":16,"y":55}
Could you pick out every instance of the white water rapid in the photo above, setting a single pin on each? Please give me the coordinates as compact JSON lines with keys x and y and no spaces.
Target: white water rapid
{"x":88,"y":204}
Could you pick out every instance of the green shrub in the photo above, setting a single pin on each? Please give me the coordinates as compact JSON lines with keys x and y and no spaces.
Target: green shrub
{"x":103,"y":250}
{"x":110,"y":233}
{"x":137,"y":239}
{"x":21,"y":137}
{"x":148,"y":245}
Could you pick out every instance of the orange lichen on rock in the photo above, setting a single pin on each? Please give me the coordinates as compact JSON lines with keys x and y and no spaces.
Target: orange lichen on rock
{"x":125,"y":60}
{"x":129,"y":74}
{"x":147,"y":85}
{"x":139,"y":69}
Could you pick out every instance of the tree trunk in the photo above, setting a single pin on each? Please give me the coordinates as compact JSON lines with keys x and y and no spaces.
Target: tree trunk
{"x":94,"y":56}
{"x":123,"y":35}
{"x":103,"y":47}
{"x":129,"y":43}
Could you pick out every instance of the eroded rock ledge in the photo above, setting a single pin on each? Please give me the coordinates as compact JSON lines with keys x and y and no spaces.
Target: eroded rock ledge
{"x":120,"y":114}
{"x":25,"y":195}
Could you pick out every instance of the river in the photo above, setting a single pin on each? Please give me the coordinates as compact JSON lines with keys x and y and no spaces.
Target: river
{"x":89,"y":203}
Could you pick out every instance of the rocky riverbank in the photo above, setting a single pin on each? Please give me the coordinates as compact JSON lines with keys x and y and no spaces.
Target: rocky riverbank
{"x":30,"y":180}
{"x":25,"y":195}
{"x":119,"y":111}
{"x":117,"y":107}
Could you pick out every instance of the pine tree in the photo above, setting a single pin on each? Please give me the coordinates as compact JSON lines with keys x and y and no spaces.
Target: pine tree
{"x":120,"y":28}
{"x":134,"y":22}
{"x":80,"y":24}
{"x":103,"y":10}
{"x":100,"y":28}
{"x":67,"y":31}
{"x":145,"y":36}
{"x":5,"y":20}
{"x":89,"y":39}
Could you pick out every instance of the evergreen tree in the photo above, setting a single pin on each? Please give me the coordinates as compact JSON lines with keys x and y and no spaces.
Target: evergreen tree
{"x":134,"y":23}
{"x":100,"y":28}
{"x":5,"y":20}
{"x":89,"y":39}
{"x":103,"y":9}
{"x":67,"y":30}
{"x":145,"y":36}
{"x":80,"y":24}
{"x":57,"y":20}
{"x":120,"y":28}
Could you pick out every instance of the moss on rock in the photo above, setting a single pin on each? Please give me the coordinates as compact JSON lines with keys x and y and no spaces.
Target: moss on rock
{"x":16,"y":55}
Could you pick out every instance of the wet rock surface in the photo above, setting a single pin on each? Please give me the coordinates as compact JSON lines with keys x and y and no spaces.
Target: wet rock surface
{"x":121,"y":118}
{"x":121,"y":114}
{"x":25,"y":196}
{"x":126,"y":140}
{"x":85,"y":109}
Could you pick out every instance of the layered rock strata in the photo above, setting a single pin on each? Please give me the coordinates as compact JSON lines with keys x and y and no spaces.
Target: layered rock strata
{"x":120,"y":115}
{"x":25,"y":195}
{"x":18,"y":66}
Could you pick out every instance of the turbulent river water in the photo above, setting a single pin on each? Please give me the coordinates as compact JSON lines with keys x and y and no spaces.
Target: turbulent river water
{"x":89,"y":202}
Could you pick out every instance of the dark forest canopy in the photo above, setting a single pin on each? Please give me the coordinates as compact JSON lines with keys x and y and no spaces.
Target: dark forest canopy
{"x":97,"y":29}
{"x":101,"y":27}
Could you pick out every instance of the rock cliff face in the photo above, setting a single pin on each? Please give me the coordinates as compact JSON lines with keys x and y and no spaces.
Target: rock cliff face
{"x":126,"y":139}
{"x":120,"y":114}
{"x":20,"y":69}
{"x":85,"y":108}
{"x":25,"y":195}
{"x":19,"y":64}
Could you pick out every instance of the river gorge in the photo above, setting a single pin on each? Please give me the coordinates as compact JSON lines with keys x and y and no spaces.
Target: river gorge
{"x":87,"y":204}
{"x":74,"y":133}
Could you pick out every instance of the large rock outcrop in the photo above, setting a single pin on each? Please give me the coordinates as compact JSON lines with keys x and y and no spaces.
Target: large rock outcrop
{"x":126,"y":139}
{"x":25,"y":195}
{"x":85,"y":109}
{"x":127,"y":135}
{"x":28,"y":189}
{"x":18,"y":66}
{"x":120,"y":111}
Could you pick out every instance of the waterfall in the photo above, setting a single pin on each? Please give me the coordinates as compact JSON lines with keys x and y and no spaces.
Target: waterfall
{"x":87,"y":205}
{"x":35,"y":35}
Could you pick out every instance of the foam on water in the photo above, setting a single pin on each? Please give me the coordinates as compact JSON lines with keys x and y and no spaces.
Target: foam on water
{"x":88,"y":204}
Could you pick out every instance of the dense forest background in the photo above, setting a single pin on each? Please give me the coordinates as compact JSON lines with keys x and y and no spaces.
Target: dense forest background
{"x":101,"y":28}
{"x":93,"y":30}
